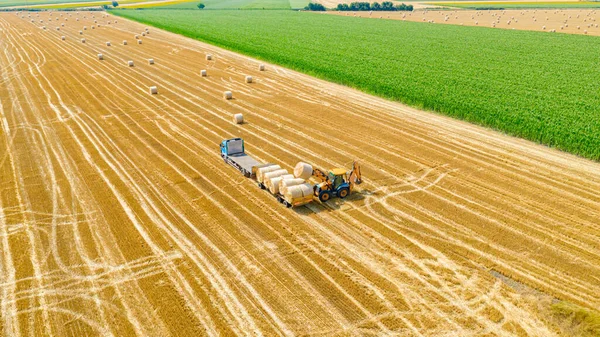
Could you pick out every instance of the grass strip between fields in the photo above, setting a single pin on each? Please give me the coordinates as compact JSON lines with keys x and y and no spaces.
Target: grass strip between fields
{"x":539,"y":86}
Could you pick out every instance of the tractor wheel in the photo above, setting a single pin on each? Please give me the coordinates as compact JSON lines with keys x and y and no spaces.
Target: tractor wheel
{"x":342,"y":193}
{"x":324,"y":196}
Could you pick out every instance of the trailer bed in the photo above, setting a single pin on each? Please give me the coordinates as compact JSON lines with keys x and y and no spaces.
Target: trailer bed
{"x":244,"y":161}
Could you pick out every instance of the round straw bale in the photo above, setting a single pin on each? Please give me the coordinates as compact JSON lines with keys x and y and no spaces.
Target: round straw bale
{"x":285,"y":183}
{"x":261,"y":67}
{"x":203,"y":73}
{"x":137,"y":37}
{"x":248,"y":79}
{"x":307,"y":189}
{"x":303,"y":170}
{"x":238,"y":119}
{"x":139,"y":41}
{"x":228,"y":95}
{"x":209,"y":57}
{"x":274,"y":182}
{"x":108,"y":44}
{"x":82,"y":40}
{"x":100,"y":57}
{"x":57,"y":28}
{"x":150,"y":61}
{"x":273,"y":174}
{"x":293,"y":192}
{"x":124,"y":42}
{"x":153,"y":90}
{"x":130,"y":63}
{"x":266,"y":169}
{"x":62,"y":38}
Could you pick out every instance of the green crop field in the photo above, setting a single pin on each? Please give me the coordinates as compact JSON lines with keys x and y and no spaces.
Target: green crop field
{"x":543,"y":87}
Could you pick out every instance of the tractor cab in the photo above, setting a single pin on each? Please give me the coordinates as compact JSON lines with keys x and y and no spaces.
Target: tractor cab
{"x":337,"y":176}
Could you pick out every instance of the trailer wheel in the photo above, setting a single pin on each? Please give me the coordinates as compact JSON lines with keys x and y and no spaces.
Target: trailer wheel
{"x":287,"y":204}
{"x":262,"y":186}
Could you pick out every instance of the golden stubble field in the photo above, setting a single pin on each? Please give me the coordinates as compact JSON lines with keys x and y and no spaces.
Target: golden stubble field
{"x":119,"y":218}
{"x":569,"y":21}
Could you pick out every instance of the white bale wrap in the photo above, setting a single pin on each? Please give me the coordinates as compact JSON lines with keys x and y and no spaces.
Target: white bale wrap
{"x":139,"y":41}
{"x":124,"y":42}
{"x":227,"y":95}
{"x":137,"y":37}
{"x":57,"y":28}
{"x":100,"y":57}
{"x":261,"y":67}
{"x":130,"y":63}
{"x":266,"y":169}
{"x":238,"y":119}
{"x":153,"y":90}
{"x":248,"y":79}
{"x":82,"y":40}
{"x":62,"y":38}
{"x":80,"y":33}
{"x":303,"y":170}
{"x":151,"y":61}
{"x":84,"y":28}
{"x":203,"y":73}
{"x":285,"y":183}
{"x":209,"y":57}
{"x":93,"y":27}
{"x":143,"y":33}
{"x":270,"y":175}
{"x":108,"y":44}
{"x":274,"y":182}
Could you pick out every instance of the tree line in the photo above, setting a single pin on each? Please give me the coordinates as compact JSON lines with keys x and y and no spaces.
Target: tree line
{"x":375,"y":6}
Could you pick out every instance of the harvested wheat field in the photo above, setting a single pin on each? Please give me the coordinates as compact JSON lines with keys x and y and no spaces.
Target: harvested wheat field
{"x":571,"y":21}
{"x":118,"y":217}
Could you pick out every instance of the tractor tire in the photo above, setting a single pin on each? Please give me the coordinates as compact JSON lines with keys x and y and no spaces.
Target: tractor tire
{"x":342,"y":193}
{"x":324,"y":196}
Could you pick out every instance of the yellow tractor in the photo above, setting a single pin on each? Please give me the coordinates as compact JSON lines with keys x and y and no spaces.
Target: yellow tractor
{"x":337,"y":182}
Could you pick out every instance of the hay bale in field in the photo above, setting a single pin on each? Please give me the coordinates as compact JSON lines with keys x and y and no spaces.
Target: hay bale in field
{"x":137,"y":37}
{"x":248,"y":79}
{"x":266,"y":169}
{"x":143,"y":34}
{"x":203,"y":73}
{"x":130,"y":63}
{"x":93,"y":27}
{"x":238,"y":119}
{"x":303,"y":170}
{"x":124,"y":42}
{"x":100,"y":57}
{"x":153,"y":90}
{"x":585,"y":31}
{"x":209,"y":57}
{"x":76,"y":19}
{"x":228,"y":95}
{"x":150,"y":61}
{"x":44,"y":27}
{"x":543,"y":27}
{"x":261,"y":67}
{"x":80,"y":32}
{"x":62,"y":38}
{"x":108,"y":22}
{"x":82,"y":40}
{"x":57,"y":28}
{"x":115,"y":21}
{"x":578,"y":27}
{"x":108,"y":44}
{"x":62,"y":24}
{"x":84,"y":27}
{"x":147,"y":32}
{"x":139,"y":41}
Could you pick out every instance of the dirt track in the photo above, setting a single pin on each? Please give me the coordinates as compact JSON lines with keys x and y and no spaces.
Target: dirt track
{"x":570,"y":21}
{"x":118,"y":217}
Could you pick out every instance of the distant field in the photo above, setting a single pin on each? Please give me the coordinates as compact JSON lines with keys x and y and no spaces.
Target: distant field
{"x":11,"y":3}
{"x":539,"y":86}
{"x":512,"y":4}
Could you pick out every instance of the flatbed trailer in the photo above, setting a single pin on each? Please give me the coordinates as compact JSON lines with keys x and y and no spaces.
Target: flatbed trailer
{"x":234,"y":154}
